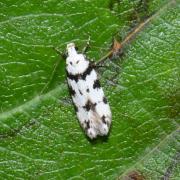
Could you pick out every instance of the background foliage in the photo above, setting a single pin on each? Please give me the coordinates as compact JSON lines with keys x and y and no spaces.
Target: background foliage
{"x":39,"y":134}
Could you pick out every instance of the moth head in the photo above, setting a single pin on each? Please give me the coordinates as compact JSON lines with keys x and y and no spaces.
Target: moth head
{"x":71,"y":49}
{"x":75,"y":60}
{"x":70,"y":46}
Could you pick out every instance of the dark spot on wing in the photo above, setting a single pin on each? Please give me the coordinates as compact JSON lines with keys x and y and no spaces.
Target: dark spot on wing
{"x":103,"y":119}
{"x":76,"y":77}
{"x":86,"y":72}
{"x":72,"y":92}
{"x":104,"y":100}
{"x":90,"y":106}
{"x":87,"y":90}
{"x":96,"y":84}
{"x":87,"y":124}
{"x":73,"y":77}
{"x":80,"y":92}
{"x":87,"y":106}
{"x":71,"y":63}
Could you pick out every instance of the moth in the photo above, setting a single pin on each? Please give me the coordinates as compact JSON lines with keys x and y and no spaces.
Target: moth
{"x":91,"y":105}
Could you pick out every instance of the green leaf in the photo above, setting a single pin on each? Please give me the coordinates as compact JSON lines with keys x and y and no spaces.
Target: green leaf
{"x":40,"y":137}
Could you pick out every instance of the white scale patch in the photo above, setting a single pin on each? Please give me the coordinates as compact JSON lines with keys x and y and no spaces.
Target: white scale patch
{"x":91,"y":106}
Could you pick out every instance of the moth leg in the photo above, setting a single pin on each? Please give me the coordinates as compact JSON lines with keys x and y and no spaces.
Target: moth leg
{"x":66,"y":100}
{"x":99,"y":65}
{"x":85,"y":49}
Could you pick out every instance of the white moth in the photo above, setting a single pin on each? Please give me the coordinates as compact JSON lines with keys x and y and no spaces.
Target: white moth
{"x":90,"y":103}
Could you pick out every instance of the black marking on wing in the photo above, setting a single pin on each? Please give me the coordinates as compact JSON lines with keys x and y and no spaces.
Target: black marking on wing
{"x":96,"y":84}
{"x":86,"y":72}
{"x":87,"y":90}
{"x":90,"y":106}
{"x":104,"y":100}
{"x":103,"y":119}
{"x":73,"y":77}
{"x":87,"y":106}
{"x":76,"y":77}
{"x":71,"y":91}
{"x":80,"y":92}
{"x":87,"y":124}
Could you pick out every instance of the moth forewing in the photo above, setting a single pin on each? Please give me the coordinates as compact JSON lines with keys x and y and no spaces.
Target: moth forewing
{"x":91,"y":105}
